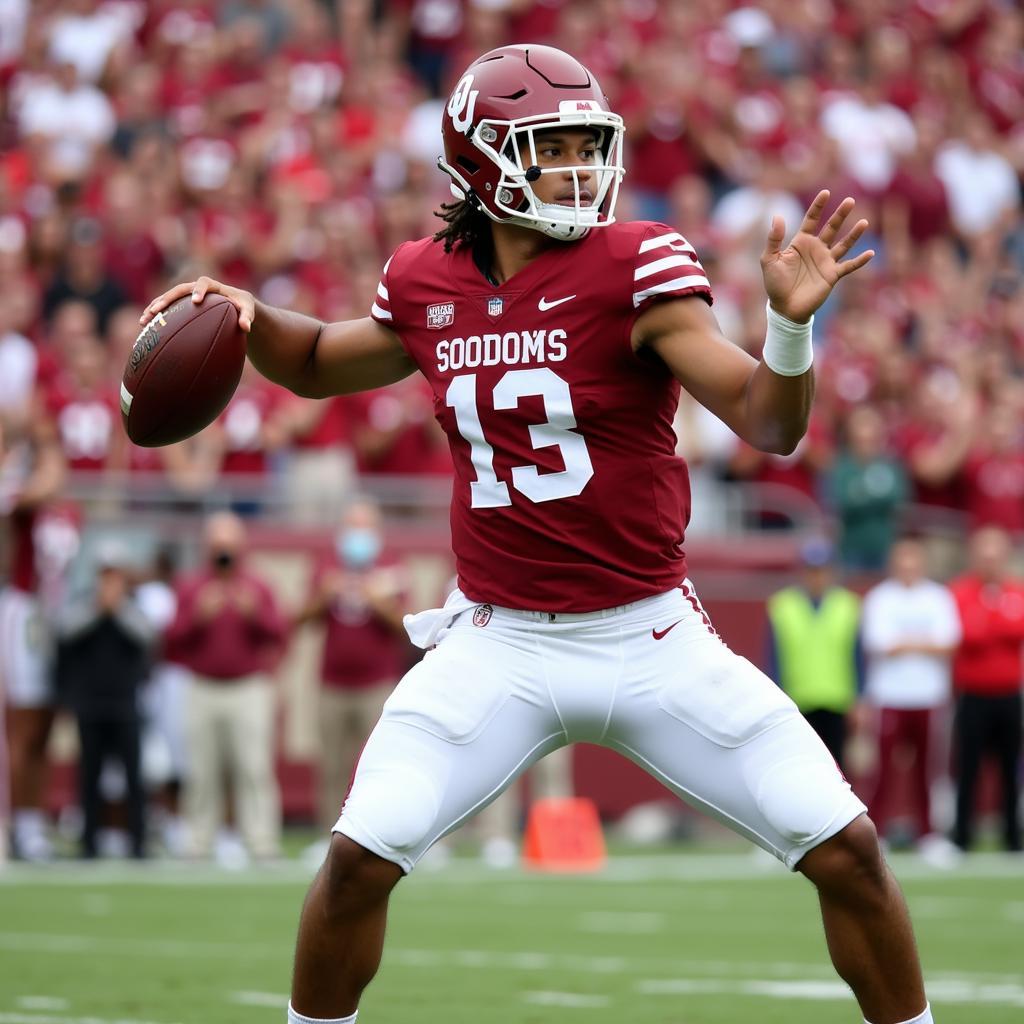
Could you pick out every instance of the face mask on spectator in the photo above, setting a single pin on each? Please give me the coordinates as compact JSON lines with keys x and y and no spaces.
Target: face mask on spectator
{"x":357,"y":547}
{"x":223,"y":559}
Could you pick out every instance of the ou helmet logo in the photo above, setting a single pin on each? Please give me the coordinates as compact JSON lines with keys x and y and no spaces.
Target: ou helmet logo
{"x":462,"y":103}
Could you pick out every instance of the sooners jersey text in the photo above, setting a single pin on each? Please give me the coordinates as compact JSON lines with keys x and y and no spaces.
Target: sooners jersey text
{"x":568,"y":495}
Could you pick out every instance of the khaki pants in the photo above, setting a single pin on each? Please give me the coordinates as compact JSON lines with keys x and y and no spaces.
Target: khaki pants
{"x":230,"y":735}
{"x":346,"y":716}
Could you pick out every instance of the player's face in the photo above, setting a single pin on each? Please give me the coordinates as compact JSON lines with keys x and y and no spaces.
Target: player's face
{"x":563,"y":148}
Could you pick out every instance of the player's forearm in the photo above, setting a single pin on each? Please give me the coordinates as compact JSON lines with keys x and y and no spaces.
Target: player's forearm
{"x":282,"y":346}
{"x":778,"y":409}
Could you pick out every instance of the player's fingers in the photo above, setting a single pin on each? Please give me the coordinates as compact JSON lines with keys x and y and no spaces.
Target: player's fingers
{"x":813,"y":215}
{"x":776,"y":233}
{"x":246,"y":311}
{"x":201,"y":287}
{"x":164,"y":300}
{"x":849,"y":266}
{"x":847,"y":242}
{"x":834,"y":224}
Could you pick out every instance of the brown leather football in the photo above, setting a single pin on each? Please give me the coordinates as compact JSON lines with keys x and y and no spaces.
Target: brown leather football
{"x":182,"y":371}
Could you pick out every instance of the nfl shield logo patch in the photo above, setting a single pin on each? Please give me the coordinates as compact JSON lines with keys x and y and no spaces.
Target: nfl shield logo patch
{"x":482,"y":614}
{"x":495,"y":306}
{"x":441,"y":314}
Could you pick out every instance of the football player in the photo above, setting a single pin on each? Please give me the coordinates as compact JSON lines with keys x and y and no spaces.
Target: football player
{"x":555,"y":340}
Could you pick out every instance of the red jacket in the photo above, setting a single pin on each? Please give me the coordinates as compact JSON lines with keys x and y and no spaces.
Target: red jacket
{"x":989,"y":660}
{"x":234,"y":642}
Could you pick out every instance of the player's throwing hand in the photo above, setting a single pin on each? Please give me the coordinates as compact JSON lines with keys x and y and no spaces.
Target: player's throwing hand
{"x":799,"y":278}
{"x":243,"y":301}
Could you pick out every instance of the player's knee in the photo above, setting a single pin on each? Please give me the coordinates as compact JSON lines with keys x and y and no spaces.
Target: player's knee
{"x":353,"y":878}
{"x":850,"y":862}
{"x":399,"y":807}
{"x":795,"y":802}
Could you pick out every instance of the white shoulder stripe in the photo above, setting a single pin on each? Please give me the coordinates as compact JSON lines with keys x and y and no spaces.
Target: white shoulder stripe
{"x":380,"y":314}
{"x":680,"y":283}
{"x":671,"y":238}
{"x":382,"y":291}
{"x":386,"y":265}
{"x":663,"y":264}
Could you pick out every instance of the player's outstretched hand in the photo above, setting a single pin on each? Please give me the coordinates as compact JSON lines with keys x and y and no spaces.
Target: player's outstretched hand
{"x":244,"y":302}
{"x":799,"y":278}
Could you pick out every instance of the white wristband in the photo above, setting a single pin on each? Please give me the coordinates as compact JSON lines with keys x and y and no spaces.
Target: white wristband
{"x":788,"y":350}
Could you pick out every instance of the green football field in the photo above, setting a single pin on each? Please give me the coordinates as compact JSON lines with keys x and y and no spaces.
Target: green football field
{"x":667,"y":939}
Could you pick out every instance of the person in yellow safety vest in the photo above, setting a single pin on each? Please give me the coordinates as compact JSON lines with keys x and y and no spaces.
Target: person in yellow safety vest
{"x":814,"y":650}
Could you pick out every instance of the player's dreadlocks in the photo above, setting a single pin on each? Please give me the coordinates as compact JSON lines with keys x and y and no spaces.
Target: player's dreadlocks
{"x":466,"y":225}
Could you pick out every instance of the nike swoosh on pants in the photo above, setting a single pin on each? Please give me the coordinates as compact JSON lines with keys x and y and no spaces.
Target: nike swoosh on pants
{"x":659,"y":634}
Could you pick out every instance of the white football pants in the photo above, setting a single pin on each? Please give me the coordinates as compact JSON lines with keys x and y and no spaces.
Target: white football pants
{"x":651,"y":679}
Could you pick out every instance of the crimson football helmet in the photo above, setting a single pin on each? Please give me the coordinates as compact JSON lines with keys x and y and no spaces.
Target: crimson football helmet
{"x":504,"y":98}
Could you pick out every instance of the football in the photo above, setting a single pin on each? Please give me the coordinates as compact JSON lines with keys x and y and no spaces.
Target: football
{"x":182,"y":371}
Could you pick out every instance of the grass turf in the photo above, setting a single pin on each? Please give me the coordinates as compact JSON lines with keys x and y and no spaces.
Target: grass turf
{"x":669,"y":939}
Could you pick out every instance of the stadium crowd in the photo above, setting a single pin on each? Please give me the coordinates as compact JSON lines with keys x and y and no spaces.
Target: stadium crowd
{"x":289,"y":147}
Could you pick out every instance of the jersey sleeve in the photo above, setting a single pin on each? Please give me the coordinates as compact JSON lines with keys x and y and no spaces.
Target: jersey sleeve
{"x":381,"y":308}
{"x":666,"y":267}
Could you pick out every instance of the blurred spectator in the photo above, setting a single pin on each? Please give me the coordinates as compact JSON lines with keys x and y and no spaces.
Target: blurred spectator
{"x":64,"y":122}
{"x":103,"y":652}
{"x":86,"y":34}
{"x":229,"y":632}
{"x":321,"y":466}
{"x":31,"y":474}
{"x":994,"y":471}
{"x":83,"y":275}
{"x":981,"y":185}
{"x":359,"y":595}
{"x":868,"y":490}
{"x":987,"y":674}
{"x":394,"y":432}
{"x":249,"y":434}
{"x":871,"y":134}
{"x":814,"y":651}
{"x":910,"y":629}
{"x":84,"y":405}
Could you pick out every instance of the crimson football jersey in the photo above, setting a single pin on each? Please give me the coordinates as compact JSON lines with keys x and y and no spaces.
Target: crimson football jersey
{"x":568,"y":494}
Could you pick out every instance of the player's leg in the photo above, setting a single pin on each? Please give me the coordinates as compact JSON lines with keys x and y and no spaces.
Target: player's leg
{"x":458,"y":729}
{"x":725,"y":738}
{"x":867,"y":925}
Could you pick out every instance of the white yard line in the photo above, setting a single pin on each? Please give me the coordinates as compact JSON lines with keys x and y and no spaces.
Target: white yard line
{"x":36,"y":1018}
{"x":621,"y":922}
{"x":274,"y":1000}
{"x":572,"y":1000}
{"x":528,"y":960}
{"x":940,"y":991}
{"x":40,"y":1003}
{"x":682,"y":868}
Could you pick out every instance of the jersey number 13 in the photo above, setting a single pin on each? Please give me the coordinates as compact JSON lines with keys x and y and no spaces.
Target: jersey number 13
{"x":487,"y":491}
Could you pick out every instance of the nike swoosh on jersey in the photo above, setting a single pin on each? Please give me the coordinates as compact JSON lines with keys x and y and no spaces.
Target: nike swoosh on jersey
{"x":543,"y":304}
{"x":664,"y":632}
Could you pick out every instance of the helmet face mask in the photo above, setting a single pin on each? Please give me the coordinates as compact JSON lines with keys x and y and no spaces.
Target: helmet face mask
{"x":484,"y":150}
